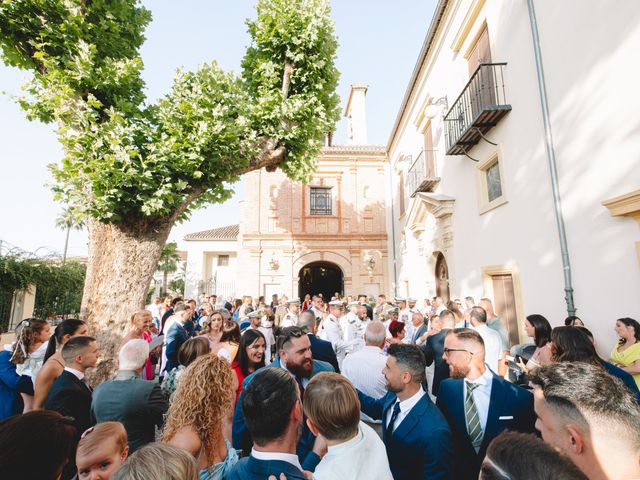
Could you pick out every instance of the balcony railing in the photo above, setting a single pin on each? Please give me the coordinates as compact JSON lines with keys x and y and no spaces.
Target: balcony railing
{"x":479,"y":108}
{"x":421,"y":176}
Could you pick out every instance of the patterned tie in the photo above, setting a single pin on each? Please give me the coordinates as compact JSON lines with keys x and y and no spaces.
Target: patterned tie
{"x":389,"y":430}
{"x":473,"y":419}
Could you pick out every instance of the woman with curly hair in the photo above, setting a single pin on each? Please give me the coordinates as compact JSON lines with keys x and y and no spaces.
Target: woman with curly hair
{"x":201,"y":409}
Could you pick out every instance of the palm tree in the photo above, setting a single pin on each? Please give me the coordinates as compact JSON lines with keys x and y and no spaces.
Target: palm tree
{"x":68,"y":219}
{"x":168,"y":262}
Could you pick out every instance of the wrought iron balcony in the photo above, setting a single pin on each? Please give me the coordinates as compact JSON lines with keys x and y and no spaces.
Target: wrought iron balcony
{"x":421,"y":176}
{"x":479,"y":108}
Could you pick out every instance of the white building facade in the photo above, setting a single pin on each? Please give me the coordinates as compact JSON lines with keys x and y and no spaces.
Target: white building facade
{"x":473,"y":209}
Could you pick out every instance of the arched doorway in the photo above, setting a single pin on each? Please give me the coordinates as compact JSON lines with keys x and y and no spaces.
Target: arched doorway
{"x":442,"y":278}
{"x":320,"y":277}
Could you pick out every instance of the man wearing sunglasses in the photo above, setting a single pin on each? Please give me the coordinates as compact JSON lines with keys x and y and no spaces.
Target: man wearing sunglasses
{"x":477,"y":403}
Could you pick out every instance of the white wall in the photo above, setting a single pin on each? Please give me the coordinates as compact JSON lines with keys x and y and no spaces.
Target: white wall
{"x":589,"y":51}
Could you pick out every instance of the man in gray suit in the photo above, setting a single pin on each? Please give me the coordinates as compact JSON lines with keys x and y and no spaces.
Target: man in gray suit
{"x":138,"y":404}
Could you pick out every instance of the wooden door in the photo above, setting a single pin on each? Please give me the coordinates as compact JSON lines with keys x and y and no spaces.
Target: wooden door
{"x":481,"y":89}
{"x":505,"y":305}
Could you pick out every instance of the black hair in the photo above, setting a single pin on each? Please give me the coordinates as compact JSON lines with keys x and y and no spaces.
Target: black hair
{"x":44,"y":433}
{"x":248,"y":337}
{"x":572,"y":344}
{"x":505,"y":460}
{"x":267,"y":403}
{"x":286,"y":334}
{"x":411,"y":357}
{"x":66,"y":327}
{"x":571,"y":320}
{"x":74,"y":347}
{"x":542,"y":329}
{"x":630,"y":322}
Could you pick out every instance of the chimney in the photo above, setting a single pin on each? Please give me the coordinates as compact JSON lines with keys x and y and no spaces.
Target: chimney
{"x":356,"y":115}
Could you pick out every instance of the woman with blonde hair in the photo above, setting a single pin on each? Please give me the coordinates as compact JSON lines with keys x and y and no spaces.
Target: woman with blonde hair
{"x":157,"y":460}
{"x":212,"y":326}
{"x":140,"y":329}
{"x":201,"y":409}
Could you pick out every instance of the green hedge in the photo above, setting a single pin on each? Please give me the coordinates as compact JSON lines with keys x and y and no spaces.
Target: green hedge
{"x":58,"y":287}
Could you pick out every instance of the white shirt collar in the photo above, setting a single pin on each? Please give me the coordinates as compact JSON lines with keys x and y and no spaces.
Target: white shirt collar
{"x":485,"y":379}
{"x":291,"y":458}
{"x":407,"y":404}
{"x":77,"y":373}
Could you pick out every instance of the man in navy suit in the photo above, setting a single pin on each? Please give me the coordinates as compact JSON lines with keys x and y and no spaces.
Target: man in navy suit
{"x":434,"y":348}
{"x":176,"y":336}
{"x":273,"y":414}
{"x":320,"y":349}
{"x":416,"y":435}
{"x":294,"y":355}
{"x":70,"y":395}
{"x":478,"y":404}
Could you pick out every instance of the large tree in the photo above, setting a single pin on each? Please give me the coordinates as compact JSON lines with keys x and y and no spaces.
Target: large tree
{"x":131,"y":168}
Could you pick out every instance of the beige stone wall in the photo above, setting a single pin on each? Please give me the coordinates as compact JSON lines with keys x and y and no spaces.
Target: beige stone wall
{"x":279,"y":236}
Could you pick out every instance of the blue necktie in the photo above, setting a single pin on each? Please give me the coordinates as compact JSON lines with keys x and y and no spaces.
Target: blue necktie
{"x":389,"y":430}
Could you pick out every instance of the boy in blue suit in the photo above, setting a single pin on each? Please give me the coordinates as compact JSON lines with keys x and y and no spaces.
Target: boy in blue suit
{"x":478,"y":404}
{"x":416,"y":435}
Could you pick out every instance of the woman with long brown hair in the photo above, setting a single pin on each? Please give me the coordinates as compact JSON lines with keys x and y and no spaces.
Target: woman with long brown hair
{"x":200,"y":416}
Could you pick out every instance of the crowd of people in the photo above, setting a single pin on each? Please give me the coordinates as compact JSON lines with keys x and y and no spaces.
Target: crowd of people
{"x":339,"y":388}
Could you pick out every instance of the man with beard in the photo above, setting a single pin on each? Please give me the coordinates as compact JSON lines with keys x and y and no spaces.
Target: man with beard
{"x":477,"y":403}
{"x":294,"y":355}
{"x":416,"y":435}
{"x":273,"y":414}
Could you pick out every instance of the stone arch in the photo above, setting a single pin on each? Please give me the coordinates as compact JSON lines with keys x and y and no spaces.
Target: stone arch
{"x":316,"y":256}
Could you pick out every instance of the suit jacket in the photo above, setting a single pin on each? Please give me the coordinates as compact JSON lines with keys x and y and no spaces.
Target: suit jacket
{"x":176,"y":336}
{"x":433,"y":350}
{"x":419,"y":332}
{"x":250,"y":468}
{"x":138,"y":404}
{"x":323,"y":351}
{"x":242,"y":438}
{"x":71,"y":397}
{"x":421,"y":447}
{"x":510,"y":408}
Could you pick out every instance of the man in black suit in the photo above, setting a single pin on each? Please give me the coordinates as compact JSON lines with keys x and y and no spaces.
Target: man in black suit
{"x":434,"y":348}
{"x":138,"y":404}
{"x":320,"y":349}
{"x":478,"y":404}
{"x":70,"y":395}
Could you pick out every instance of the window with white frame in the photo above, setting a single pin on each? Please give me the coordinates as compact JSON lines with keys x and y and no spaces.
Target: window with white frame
{"x":491,"y":192}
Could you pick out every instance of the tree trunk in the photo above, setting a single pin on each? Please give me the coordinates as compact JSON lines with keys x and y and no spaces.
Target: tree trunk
{"x":122,"y":260}
{"x":165,"y":283}
{"x":66,"y":244}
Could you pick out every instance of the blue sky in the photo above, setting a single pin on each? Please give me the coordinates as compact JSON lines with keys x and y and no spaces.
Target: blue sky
{"x":379,"y":44}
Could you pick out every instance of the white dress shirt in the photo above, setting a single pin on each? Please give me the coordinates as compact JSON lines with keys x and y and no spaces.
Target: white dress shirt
{"x":332,"y":332}
{"x":79,"y":375}
{"x":291,"y":458}
{"x":481,"y":395}
{"x":364,"y":457}
{"x":405,"y":408}
{"x":492,"y":346}
{"x":364,"y":369}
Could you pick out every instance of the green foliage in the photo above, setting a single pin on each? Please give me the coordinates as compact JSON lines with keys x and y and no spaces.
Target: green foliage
{"x":169,"y":258}
{"x":177,"y":285}
{"x":127,"y":161}
{"x":58,"y":286}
